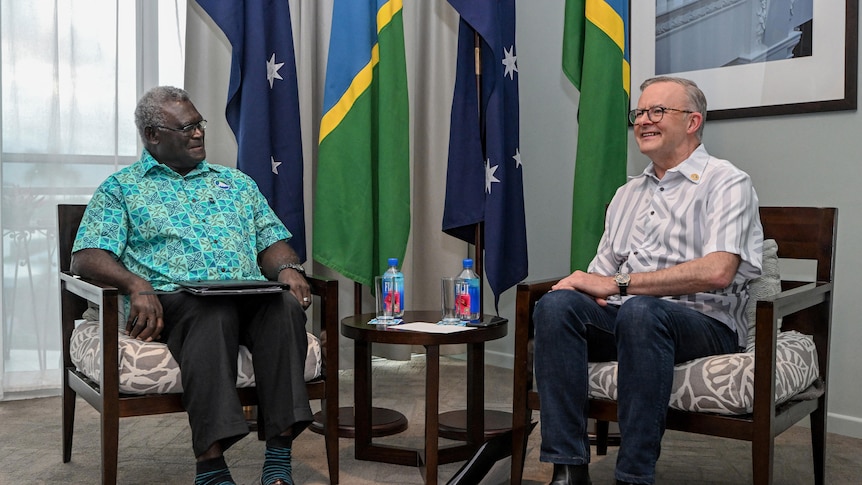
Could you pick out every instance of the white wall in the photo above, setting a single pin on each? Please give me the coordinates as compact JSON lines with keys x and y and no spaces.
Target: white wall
{"x":810,"y":159}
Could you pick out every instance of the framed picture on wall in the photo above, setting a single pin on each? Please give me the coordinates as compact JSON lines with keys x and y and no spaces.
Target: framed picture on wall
{"x":751,"y":58}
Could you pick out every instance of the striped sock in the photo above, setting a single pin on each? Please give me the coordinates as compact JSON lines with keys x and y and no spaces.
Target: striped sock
{"x":276,"y":463}
{"x":213,"y":472}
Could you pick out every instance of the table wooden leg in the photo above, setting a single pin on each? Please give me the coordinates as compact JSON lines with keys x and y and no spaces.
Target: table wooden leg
{"x":456,"y":425}
{"x":476,"y":393}
{"x":432,"y":409}
{"x":362,"y":397}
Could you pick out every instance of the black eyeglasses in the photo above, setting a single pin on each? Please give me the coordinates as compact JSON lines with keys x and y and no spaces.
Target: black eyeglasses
{"x":187,"y":130}
{"x":655,"y":114}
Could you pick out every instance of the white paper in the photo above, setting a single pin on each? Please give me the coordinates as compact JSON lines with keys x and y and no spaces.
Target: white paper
{"x":432,"y":327}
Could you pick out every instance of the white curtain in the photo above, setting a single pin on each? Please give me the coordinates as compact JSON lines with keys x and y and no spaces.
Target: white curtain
{"x":72,"y":71}
{"x":430,"y":30}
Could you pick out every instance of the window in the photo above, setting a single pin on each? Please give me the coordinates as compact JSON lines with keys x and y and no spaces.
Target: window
{"x":72,"y":71}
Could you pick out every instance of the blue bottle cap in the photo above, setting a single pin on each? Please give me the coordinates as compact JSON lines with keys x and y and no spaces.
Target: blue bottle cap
{"x":468,"y":263}
{"x":393,"y":261}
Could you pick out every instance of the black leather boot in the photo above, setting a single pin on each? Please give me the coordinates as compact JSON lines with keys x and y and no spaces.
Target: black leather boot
{"x":571,"y":475}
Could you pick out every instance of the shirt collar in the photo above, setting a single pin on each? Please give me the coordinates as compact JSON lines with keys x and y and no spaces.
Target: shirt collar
{"x":147,"y":163}
{"x":691,"y":169}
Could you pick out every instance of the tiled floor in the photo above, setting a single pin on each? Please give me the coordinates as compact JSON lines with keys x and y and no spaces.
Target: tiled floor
{"x":157,"y":450}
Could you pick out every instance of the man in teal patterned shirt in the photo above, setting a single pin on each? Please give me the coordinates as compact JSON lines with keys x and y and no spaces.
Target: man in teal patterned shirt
{"x":170,"y":217}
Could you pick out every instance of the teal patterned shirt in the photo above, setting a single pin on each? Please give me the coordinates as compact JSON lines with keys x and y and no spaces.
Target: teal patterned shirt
{"x":164,"y":227}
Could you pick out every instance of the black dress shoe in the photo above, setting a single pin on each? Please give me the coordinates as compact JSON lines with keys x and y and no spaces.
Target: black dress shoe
{"x":571,"y":475}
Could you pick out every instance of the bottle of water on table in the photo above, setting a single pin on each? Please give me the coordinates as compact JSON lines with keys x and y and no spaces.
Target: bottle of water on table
{"x":467,"y":299}
{"x":393,"y":282}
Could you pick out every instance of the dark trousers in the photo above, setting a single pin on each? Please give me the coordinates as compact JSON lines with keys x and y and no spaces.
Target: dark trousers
{"x":647,"y":336}
{"x":204,"y":334}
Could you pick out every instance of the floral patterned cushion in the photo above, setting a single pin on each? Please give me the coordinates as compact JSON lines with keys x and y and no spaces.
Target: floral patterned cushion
{"x":149,"y":367}
{"x":724,"y":384}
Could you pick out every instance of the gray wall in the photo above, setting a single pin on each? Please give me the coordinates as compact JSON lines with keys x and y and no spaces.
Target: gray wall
{"x":794,"y":160}
{"x":809,"y":159}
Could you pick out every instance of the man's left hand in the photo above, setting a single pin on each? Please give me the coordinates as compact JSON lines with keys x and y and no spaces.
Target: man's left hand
{"x":298,"y":286}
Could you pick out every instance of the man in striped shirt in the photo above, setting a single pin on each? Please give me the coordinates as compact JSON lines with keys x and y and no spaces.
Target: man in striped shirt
{"x":669,"y":283}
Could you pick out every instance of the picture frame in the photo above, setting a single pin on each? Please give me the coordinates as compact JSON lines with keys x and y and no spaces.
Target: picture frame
{"x":823,"y":78}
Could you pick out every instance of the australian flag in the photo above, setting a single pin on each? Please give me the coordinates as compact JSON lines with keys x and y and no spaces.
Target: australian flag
{"x":263,"y":104}
{"x":484,"y":182}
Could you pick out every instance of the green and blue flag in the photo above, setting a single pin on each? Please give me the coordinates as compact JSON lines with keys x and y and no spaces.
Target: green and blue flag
{"x":362,"y":201}
{"x":596,"y":60}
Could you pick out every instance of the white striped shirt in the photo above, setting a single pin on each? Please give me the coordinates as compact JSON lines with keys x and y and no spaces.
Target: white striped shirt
{"x":701,"y":206}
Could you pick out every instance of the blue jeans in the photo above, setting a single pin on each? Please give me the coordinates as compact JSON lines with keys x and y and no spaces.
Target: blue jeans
{"x":647,"y":336}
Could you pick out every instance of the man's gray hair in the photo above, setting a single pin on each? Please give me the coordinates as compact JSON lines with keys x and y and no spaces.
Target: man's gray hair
{"x":149,"y":111}
{"x":696,"y":98}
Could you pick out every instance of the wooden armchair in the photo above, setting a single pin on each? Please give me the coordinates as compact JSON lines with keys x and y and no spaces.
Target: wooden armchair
{"x":104,"y":394}
{"x":801,"y":233}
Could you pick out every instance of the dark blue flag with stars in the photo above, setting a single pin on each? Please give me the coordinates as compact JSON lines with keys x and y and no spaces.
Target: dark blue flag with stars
{"x":484,"y":182}
{"x":263,"y":103}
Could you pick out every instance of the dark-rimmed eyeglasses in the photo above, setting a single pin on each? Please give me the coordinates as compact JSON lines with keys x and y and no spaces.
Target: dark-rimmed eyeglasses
{"x":187,"y":130}
{"x":655,"y":114}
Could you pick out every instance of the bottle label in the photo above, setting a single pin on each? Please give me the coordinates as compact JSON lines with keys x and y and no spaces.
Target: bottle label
{"x":392,"y":296}
{"x":467,"y":299}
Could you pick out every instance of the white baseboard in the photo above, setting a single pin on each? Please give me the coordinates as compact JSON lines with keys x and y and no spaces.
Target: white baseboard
{"x":842,"y":424}
{"x":499,"y":359}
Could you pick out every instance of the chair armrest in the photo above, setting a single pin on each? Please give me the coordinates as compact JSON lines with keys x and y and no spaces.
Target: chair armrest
{"x":90,"y":290}
{"x":527,"y":294}
{"x":74,"y":289}
{"x":327,"y":292}
{"x":535,"y":289}
{"x":806,"y":309}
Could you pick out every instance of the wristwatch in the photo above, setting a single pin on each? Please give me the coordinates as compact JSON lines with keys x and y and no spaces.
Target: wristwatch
{"x":622,"y":280}
{"x":293,"y":266}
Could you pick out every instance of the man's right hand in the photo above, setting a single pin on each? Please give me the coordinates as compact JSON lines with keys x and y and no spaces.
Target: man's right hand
{"x":145,"y":311}
{"x":145,"y":320}
{"x":598,"y":286}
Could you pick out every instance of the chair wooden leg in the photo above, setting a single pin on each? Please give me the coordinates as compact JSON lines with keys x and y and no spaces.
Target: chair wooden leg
{"x":520,"y":436}
{"x":69,"y":397}
{"x":110,"y":446}
{"x":818,"y":443}
{"x":762,"y":457}
{"x":330,"y":433}
{"x":602,"y":428}
{"x":254,"y":413}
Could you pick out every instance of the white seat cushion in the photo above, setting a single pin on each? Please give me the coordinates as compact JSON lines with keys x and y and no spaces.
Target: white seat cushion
{"x":149,"y":367}
{"x":724,"y":384}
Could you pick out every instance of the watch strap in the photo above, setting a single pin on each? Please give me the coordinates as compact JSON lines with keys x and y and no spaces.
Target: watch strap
{"x":294,"y":266}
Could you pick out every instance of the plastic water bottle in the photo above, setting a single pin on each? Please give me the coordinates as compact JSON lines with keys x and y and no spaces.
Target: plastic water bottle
{"x":467,"y":294}
{"x":393,"y":281}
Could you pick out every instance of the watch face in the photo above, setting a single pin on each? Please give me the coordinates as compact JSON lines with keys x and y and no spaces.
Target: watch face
{"x":622,"y":278}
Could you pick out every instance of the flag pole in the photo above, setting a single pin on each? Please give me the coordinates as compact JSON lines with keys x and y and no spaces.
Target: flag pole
{"x":480,"y":226}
